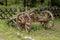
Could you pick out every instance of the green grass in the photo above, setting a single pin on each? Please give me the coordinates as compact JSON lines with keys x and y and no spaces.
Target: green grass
{"x":38,"y":33}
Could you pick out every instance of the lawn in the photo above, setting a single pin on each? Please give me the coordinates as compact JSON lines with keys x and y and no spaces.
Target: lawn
{"x":38,"y":33}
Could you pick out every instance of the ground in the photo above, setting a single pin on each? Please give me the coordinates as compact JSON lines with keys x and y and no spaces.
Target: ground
{"x":38,"y":33}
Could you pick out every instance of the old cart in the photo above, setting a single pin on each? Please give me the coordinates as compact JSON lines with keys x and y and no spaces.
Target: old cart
{"x":24,"y":19}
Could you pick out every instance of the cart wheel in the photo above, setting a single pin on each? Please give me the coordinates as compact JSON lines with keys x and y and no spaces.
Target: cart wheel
{"x":27,"y":19}
{"x":49,"y":18}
